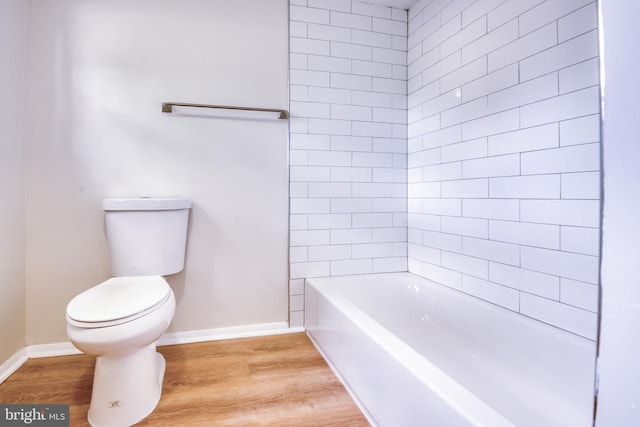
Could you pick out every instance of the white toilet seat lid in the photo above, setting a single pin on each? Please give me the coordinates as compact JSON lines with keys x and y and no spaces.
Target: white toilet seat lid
{"x":118,"y":298}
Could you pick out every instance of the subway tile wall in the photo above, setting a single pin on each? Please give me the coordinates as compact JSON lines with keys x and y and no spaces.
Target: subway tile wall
{"x":504,"y":154}
{"x":348,"y":141}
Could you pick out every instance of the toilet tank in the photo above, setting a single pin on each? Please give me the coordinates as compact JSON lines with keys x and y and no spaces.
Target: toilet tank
{"x":147,"y":236}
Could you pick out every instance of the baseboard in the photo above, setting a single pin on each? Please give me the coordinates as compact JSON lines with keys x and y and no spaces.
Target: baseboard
{"x":12,"y":364}
{"x":247,"y":331}
{"x":169,"y":338}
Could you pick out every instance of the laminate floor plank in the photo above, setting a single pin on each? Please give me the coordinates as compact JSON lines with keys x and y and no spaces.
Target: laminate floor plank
{"x":278,"y":380}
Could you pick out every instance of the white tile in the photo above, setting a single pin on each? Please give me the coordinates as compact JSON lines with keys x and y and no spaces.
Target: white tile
{"x":451,"y":207}
{"x":424,"y":94}
{"x":340,"y":5}
{"x":351,"y":143}
{"x":328,"y":126}
{"x":535,"y":138}
{"x":348,"y":267}
{"x":425,"y":222}
{"x":444,"y":241}
{"x":442,"y":137}
{"x":328,"y":221}
{"x":373,"y":159}
{"x":466,"y":188}
{"x":478,"y":9}
{"x":329,"y":95}
{"x":296,"y":319}
{"x":389,"y":86}
{"x":454,"y":8}
{"x":445,"y":66}
{"x":584,"y":185}
{"x":533,"y":282}
{"x":389,"y":204}
{"x":350,"y":174}
{"x":472,"y":32}
{"x":298,"y":189}
{"x":563,"y":107}
{"x":370,"y":9}
{"x":448,"y":29}
{"x":389,"y":175}
{"x":580,"y":76}
{"x":350,"y":81}
{"x":525,"y":93}
{"x":546,"y":12}
{"x":464,"y":74}
{"x":296,"y":287}
{"x":309,"y":173}
{"x":297,"y":157}
{"x":388,"y":26}
{"x":325,"y":189}
{"x":374,"y":189}
{"x":580,"y":240}
{"x":350,"y":112}
{"x":579,"y":294}
{"x":492,"y":82}
{"x":396,"y":234}
{"x":495,"y":39}
{"x":491,"y":209}
{"x":372,"y":129}
{"x":307,"y":14}
{"x":491,"y":125}
{"x":578,"y":22}
{"x":348,"y":50}
{"x":523,"y":47}
{"x":525,"y":187}
{"x":440,"y":103}
{"x":307,"y":206}
{"x":372,"y":220}
{"x":424,"y":126}
{"x":389,"y":264}
{"x":360,"y":22}
{"x":524,"y":233}
{"x":329,"y":252}
{"x":372,"y":250}
{"x":372,"y":99}
{"x":309,"y":237}
{"x":443,"y":172}
{"x":310,"y":142}
{"x":575,"y":158}
{"x":296,"y":302}
{"x":506,"y":165}
{"x":472,"y":149}
{"x":505,"y":253}
{"x":310,"y":78}
{"x":298,"y":29}
{"x":298,"y":270}
{"x":563,"y":55}
{"x":472,"y":227}
{"x":444,"y":276}
{"x":326,"y":32}
{"x":496,"y":294}
{"x":463,"y":113}
{"x":509,"y":10}
{"x":423,"y":62}
{"x":564,"y":316}
{"x":374,"y":69}
{"x":347,"y":205}
{"x":309,"y":109}
{"x":308,"y":46}
{"x":580,"y":131}
{"x":327,"y":63}
{"x":298,"y":93}
{"x":564,"y":264}
{"x":424,"y":254}
{"x":351,"y":236}
{"x":370,"y":38}
{"x":465,"y":264}
{"x":399,"y":14}
{"x":580,"y":213}
{"x":389,"y":115}
{"x":297,"y":222}
{"x":424,"y":158}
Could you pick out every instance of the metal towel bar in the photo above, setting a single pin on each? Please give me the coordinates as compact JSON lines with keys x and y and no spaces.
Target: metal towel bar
{"x":167,"y":107}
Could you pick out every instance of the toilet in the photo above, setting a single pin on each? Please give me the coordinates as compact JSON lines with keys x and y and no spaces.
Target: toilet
{"x":120,"y":320}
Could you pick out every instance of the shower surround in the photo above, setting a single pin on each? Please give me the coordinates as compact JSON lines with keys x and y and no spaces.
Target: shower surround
{"x":459,"y":142}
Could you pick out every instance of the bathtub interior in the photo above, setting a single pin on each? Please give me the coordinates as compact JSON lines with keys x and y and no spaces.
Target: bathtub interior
{"x":530,"y":372}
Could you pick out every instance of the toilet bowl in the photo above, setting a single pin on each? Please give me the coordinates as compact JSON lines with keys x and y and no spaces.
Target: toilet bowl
{"x":128,"y":375}
{"x":120,"y":320}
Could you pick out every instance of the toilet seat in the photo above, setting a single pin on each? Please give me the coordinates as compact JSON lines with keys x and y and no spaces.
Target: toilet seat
{"x":117,"y":300}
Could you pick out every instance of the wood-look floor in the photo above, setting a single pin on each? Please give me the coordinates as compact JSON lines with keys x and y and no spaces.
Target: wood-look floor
{"x":278,"y":380}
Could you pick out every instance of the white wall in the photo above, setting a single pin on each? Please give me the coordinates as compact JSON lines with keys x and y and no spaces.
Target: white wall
{"x":619,"y":360}
{"x":504,"y":154}
{"x":348,"y":141}
{"x":14,"y":48}
{"x":98,"y":74}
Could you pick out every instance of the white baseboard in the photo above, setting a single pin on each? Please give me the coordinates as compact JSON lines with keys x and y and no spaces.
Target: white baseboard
{"x":169,"y":338}
{"x":12,"y":364}
{"x":247,"y":331}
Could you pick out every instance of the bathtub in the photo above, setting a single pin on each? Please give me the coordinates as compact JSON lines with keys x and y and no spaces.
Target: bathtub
{"x":416,"y":353}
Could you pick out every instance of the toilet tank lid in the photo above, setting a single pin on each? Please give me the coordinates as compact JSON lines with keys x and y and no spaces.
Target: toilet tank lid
{"x":146,"y":204}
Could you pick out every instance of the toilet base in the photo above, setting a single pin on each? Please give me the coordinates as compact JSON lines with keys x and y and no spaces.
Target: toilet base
{"x":126,"y":388}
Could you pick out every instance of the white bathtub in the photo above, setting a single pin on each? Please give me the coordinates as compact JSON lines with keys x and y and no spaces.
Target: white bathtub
{"x":416,"y":353}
